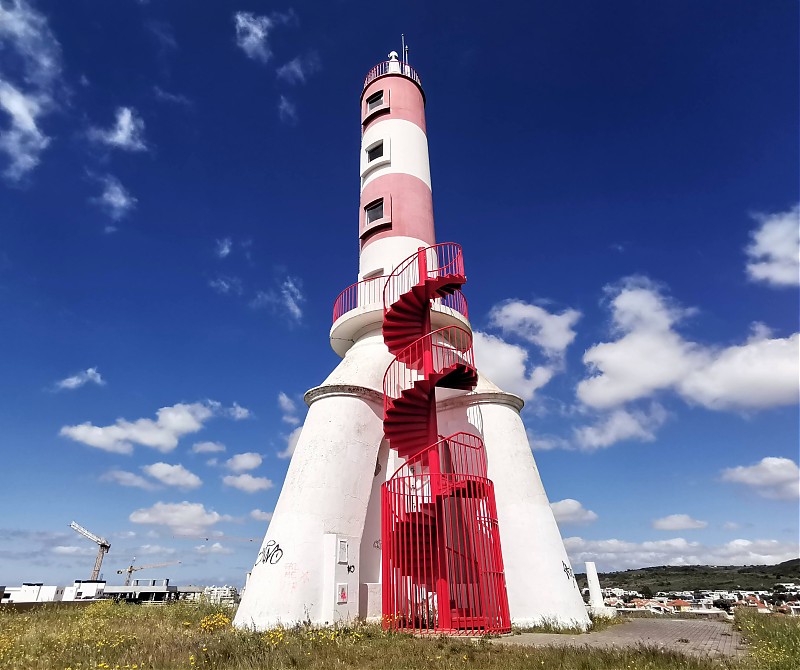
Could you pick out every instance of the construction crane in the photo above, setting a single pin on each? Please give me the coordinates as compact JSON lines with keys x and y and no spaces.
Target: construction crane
{"x":104,"y":545}
{"x":133,"y":568}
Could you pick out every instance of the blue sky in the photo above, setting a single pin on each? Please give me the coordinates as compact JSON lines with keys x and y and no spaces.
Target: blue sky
{"x":178,"y":211}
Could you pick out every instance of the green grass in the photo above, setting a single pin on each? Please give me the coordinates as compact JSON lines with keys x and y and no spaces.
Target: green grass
{"x":774,"y":641}
{"x":111,"y":636}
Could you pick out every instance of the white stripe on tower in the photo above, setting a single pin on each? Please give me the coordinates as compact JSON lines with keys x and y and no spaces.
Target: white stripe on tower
{"x":396,"y":208}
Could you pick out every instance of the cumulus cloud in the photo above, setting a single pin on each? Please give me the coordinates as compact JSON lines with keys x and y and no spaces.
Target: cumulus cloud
{"x":649,"y":356}
{"x":244,"y":462}
{"x":291,"y":443}
{"x":507,"y":365}
{"x":125,"y":478}
{"x":163,"y":434}
{"x":115,"y":199}
{"x":774,"y":249}
{"x":621,"y":424}
{"x":167,"y":96}
{"x":252,"y":32}
{"x":154,"y":550}
{"x":248,"y":483}
{"x":678,"y":522}
{"x":771,"y":477}
{"x":207,"y":447}
{"x":571,"y":512}
{"x":223,"y":247}
{"x":287,"y":299}
{"x":88,"y":376}
{"x":616,"y":554}
{"x":534,"y":324}
{"x":72,"y":550}
{"x":260,"y":515}
{"x":126,"y":133}
{"x":183,"y":519}
{"x":173,"y":475}
{"x":215,"y":548}
{"x":237,"y":412}
{"x":288,"y":409}
{"x":29,"y":78}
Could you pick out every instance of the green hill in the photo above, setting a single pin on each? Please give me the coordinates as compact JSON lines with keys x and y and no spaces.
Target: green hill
{"x":695,"y":577}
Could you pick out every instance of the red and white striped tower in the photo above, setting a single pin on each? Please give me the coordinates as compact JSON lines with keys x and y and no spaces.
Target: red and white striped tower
{"x":388,"y":507}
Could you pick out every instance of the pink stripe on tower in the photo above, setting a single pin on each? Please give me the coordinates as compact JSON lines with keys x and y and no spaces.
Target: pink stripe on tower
{"x":395,"y":203}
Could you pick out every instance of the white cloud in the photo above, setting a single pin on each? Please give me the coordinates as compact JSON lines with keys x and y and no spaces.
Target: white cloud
{"x":248,"y":483}
{"x":29,"y":76}
{"x":678,"y":522}
{"x":621,"y":424}
{"x":166,"y":96}
{"x":252,"y":32}
{"x":771,"y":477}
{"x":154,"y":550}
{"x":288,"y":409}
{"x":287,"y":110}
{"x":225,"y":285}
{"x":243,"y":462}
{"x":90,"y":375}
{"x":125,"y":478}
{"x":223,"y":247}
{"x":238,"y":413}
{"x":115,"y":199}
{"x":507,"y":366}
{"x":774,"y":249}
{"x":260,"y":515}
{"x":731,"y":525}
{"x":162,"y":434}
{"x":183,"y":519}
{"x":650,"y":356}
{"x":288,"y":298}
{"x":616,"y":554}
{"x":297,"y":70}
{"x":173,"y":475}
{"x":127,"y":133}
{"x":570,"y":512}
{"x":552,"y":332}
{"x":207,"y":447}
{"x":291,"y":443}
{"x":72,"y":550}
{"x":215,"y":548}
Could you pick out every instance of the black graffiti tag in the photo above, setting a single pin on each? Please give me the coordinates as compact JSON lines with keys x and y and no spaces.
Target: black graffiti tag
{"x":271,"y":553}
{"x":567,"y":570}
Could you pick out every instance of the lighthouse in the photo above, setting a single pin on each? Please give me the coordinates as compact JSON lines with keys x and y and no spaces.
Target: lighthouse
{"x":412,"y":496}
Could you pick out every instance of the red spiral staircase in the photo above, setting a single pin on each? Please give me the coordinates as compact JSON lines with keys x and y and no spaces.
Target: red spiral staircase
{"x":442,"y":564}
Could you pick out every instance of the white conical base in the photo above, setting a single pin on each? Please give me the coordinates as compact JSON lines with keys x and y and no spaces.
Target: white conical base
{"x":320,"y":559}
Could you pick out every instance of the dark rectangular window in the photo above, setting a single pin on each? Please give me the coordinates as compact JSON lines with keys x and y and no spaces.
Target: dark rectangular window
{"x":375,"y":100}
{"x":375,"y":211}
{"x":375,"y":152}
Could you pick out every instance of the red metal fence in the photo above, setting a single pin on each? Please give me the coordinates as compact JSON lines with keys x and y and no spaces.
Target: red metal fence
{"x":442,"y":564}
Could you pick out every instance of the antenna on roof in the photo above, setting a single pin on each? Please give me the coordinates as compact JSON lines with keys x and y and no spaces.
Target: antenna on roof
{"x":404,"y":48}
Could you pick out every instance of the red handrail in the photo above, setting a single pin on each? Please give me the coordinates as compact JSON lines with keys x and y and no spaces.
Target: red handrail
{"x":362,"y":293}
{"x":440,"y":260}
{"x":384,"y":68}
{"x":431,"y":354}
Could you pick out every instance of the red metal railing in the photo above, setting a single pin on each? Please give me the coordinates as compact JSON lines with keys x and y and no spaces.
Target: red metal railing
{"x":432,"y":354}
{"x":363,"y":293}
{"x":442,"y":564}
{"x":433,"y":262}
{"x":370,"y":292}
{"x":385,"y":68}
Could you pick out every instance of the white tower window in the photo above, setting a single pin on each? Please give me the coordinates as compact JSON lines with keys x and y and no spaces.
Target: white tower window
{"x":375,"y":100}
{"x":374,"y":211}
{"x":375,"y":152}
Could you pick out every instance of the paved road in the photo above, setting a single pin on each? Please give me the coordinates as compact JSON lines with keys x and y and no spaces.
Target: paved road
{"x":689,"y":636}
